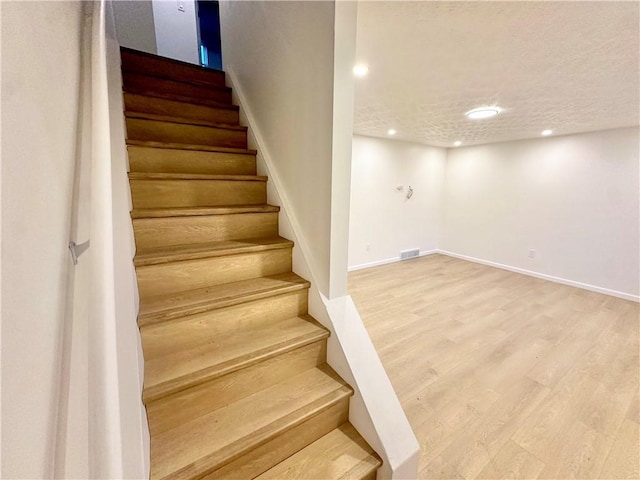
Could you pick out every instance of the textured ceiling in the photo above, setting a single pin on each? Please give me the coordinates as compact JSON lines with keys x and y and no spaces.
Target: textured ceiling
{"x":567,"y":66}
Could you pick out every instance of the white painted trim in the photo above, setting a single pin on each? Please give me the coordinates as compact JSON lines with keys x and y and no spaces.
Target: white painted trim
{"x":386,"y":261}
{"x":374,"y":410}
{"x":530,"y":273}
{"x":551,"y":278}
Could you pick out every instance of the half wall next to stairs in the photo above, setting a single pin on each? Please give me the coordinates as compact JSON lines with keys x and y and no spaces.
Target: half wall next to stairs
{"x":269,"y":41}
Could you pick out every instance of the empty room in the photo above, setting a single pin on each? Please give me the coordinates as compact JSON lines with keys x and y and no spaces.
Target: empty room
{"x":315,"y":240}
{"x":493,"y":243}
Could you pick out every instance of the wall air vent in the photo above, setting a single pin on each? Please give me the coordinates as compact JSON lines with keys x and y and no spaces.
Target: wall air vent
{"x":404,"y":254}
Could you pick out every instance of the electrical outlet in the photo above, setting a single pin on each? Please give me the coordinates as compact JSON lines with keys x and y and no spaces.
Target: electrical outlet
{"x":532,"y":254}
{"x":368,"y":247}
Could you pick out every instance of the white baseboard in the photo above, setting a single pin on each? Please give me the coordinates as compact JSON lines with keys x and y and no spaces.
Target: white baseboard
{"x":530,"y":273}
{"x":551,"y":278}
{"x":377,"y":263}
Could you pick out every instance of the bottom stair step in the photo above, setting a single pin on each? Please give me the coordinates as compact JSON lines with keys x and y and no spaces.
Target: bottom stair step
{"x":340,"y":454}
{"x":244,"y":428}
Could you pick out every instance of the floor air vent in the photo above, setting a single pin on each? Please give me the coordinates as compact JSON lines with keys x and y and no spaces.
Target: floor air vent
{"x":404,"y":254}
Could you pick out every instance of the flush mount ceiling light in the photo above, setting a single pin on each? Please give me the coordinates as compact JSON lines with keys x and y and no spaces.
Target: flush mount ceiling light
{"x":360,"y":70}
{"x":483,"y":112}
{"x":546,"y":133}
{"x":457,"y":143}
{"x":391,"y":131}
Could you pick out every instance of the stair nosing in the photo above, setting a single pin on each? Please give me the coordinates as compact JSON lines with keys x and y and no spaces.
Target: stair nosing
{"x":371,"y":468}
{"x":147,"y":259}
{"x":184,"y":382}
{"x":363,"y":466}
{"x":189,"y":146}
{"x":177,"y":212}
{"x":200,"y":68}
{"x":185,"y":99}
{"x":196,"y":176}
{"x":222,"y":88}
{"x":183,"y":121}
{"x":284,"y":424}
{"x":206,"y":102}
{"x":169,"y":314}
{"x":212,"y":461}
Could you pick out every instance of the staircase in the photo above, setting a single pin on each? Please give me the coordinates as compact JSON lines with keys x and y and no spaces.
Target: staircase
{"x":236,"y":382}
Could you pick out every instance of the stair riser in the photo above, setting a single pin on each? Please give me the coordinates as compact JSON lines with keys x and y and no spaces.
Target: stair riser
{"x":372,"y":476}
{"x":157,"y":66}
{"x":157,"y":131}
{"x":165,"y":160}
{"x":169,"y":412}
{"x":196,"y":193}
{"x":134,"y":83}
{"x":175,"y":307}
{"x":281,"y":447}
{"x":191,"y":274}
{"x":197,"y":330}
{"x":160,"y":106}
{"x":159,"y":232}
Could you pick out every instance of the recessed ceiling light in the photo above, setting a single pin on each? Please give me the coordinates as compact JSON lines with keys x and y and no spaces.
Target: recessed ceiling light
{"x":546,"y":133}
{"x":457,"y":143}
{"x":360,"y":70}
{"x":391,"y":131}
{"x":483,"y":112}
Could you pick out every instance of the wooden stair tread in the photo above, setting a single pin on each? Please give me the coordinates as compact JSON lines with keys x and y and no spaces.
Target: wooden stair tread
{"x":340,"y":454}
{"x":188,"y":100}
{"x":165,"y":130}
{"x":183,"y":120}
{"x":132,"y":60}
{"x":143,"y":83}
{"x":189,"y":357}
{"x":194,"y":176}
{"x":198,"y":211}
{"x":207,"y":443}
{"x":176,"y":253}
{"x":236,"y":383}
{"x":165,"y":307}
{"x":189,"y":146}
{"x":171,"y":78}
{"x":149,"y":92}
{"x":171,"y":160}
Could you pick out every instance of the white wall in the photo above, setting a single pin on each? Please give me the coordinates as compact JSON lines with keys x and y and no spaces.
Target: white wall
{"x":39,"y":119}
{"x":102,"y":422}
{"x":159,"y":27}
{"x":280,"y":56}
{"x":131,"y":412}
{"x":346,"y":20}
{"x":573,"y":199}
{"x":135,"y":25}
{"x":176,"y":30}
{"x":383,"y":221}
{"x":71,"y":370}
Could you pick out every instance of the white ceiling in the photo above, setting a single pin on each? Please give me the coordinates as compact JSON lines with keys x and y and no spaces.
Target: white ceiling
{"x":567,"y":66}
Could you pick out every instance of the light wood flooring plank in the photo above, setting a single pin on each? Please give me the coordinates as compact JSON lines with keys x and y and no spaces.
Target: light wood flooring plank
{"x":513,"y":462}
{"x":624,"y":459}
{"x":503,"y":375}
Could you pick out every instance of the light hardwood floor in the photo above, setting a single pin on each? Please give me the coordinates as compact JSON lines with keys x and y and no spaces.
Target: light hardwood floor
{"x":505,"y":376}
